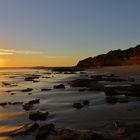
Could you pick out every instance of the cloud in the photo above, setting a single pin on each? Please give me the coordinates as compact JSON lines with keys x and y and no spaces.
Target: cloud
{"x":11,"y":52}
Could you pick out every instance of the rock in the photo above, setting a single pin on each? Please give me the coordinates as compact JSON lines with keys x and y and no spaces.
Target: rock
{"x":68,"y":134}
{"x":5,"y":84}
{"x":45,"y":77}
{"x":9,"y":84}
{"x":88,"y":83}
{"x":35,"y":81}
{"x":77,"y":105}
{"x":111,"y":99}
{"x":82,"y":89}
{"x":15,"y":103}
{"x":61,"y":86}
{"x":3,"y":104}
{"x":80,"y":82}
{"x":32,"y":78}
{"x":45,"y":131}
{"x":134,"y":90}
{"x":27,"y":90}
{"x":36,"y":101}
{"x":45,"y":89}
{"x":123,"y":99}
{"x":25,"y":129}
{"x":127,"y":130}
{"x":27,"y":107}
{"x":111,"y":90}
{"x":85,"y":102}
{"x":96,"y":87}
{"x":38,"y":116}
{"x":12,"y":93}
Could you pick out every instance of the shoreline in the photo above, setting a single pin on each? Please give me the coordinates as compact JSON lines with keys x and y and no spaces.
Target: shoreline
{"x":129,"y":70}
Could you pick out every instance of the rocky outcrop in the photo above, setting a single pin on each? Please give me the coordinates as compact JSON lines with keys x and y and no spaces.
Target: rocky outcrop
{"x":119,"y":57}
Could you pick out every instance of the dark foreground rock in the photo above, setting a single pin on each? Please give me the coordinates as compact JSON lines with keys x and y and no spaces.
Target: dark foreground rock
{"x":10,"y":103}
{"x":25,"y":129}
{"x":127,"y":131}
{"x":77,"y":105}
{"x":68,"y":134}
{"x":38,"y":116}
{"x":85,"y":102}
{"x":128,"y":90}
{"x":45,"y":131}
{"x":27,"y":90}
{"x":111,"y":99}
{"x":87,"y":83}
{"x":61,"y":86}
{"x":29,"y":105}
{"x":46,"y":89}
{"x":36,"y":101}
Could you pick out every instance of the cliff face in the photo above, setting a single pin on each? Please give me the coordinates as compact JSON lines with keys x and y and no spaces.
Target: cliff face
{"x":130,"y":56}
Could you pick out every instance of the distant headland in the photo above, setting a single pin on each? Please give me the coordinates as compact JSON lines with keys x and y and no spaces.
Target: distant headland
{"x":118,"y":57}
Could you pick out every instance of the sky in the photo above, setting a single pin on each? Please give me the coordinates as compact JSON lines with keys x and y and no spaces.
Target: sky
{"x":62,"y":32}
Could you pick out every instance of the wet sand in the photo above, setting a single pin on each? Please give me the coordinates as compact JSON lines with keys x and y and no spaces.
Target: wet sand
{"x":130,"y":70}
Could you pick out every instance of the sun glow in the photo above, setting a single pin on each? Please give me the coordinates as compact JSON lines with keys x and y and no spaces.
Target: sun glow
{"x":1,"y":63}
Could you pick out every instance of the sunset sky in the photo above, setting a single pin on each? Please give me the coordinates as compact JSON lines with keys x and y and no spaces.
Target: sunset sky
{"x":61,"y":32}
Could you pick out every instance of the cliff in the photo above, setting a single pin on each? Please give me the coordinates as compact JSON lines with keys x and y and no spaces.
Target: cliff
{"x":118,"y":57}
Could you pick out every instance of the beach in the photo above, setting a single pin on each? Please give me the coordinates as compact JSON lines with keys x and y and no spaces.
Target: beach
{"x":44,"y":90}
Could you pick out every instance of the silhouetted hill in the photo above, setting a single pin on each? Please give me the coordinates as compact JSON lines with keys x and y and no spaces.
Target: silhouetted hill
{"x":118,"y":57}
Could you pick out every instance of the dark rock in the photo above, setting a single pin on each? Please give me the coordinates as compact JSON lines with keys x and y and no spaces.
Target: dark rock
{"x":15,"y":103}
{"x":111,"y":90}
{"x":9,"y":84}
{"x":35,"y":81}
{"x":12,"y":93}
{"x":68,"y":134}
{"x":127,"y":130}
{"x":27,"y":107}
{"x":111,"y":99}
{"x":123,"y":99}
{"x":45,"y":131}
{"x":25,"y":129}
{"x":96,"y":87}
{"x":82,"y":89}
{"x":5,"y":84}
{"x":46,"y":89}
{"x":36,"y":101}
{"x":27,"y":90}
{"x":81,"y":82}
{"x":45,"y":77}
{"x":3,"y":104}
{"x":61,"y":86}
{"x":38,"y":116}
{"x":85,"y":102}
{"x":32,"y":78}
{"x":77,"y":105}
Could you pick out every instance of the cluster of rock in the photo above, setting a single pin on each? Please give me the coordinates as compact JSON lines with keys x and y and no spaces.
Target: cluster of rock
{"x":113,"y":58}
{"x":116,"y":89}
{"x":129,"y":131}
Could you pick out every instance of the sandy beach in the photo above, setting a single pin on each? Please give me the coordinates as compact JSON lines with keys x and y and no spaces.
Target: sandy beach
{"x":130,"y":70}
